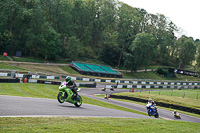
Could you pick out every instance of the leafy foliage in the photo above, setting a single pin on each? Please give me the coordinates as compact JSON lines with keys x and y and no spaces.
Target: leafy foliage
{"x":162,"y":72}
{"x":106,"y":30}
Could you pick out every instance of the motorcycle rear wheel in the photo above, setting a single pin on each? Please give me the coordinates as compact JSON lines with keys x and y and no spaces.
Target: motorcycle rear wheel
{"x":60,"y":98}
{"x":78,"y":101}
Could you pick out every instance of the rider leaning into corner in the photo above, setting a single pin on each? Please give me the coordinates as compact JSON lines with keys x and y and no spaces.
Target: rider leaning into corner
{"x":150,"y":101}
{"x":72,"y":85}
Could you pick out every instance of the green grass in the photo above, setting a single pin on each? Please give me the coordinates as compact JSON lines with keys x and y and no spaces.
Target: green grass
{"x":49,"y":91}
{"x":193,"y":94}
{"x":167,"y":98}
{"x":27,"y":59}
{"x":29,"y":90}
{"x":4,"y":58}
{"x":95,"y":125}
{"x":154,"y":75}
{"x":108,"y":105}
{"x":70,"y":70}
{"x":9,"y":66}
{"x":143,"y":75}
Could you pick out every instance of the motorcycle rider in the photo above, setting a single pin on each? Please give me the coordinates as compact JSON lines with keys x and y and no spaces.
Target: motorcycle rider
{"x":72,"y":85}
{"x":151,"y":104}
{"x":175,"y":112}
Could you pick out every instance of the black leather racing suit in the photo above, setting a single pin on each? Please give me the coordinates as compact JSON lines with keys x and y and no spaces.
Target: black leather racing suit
{"x":72,"y":85}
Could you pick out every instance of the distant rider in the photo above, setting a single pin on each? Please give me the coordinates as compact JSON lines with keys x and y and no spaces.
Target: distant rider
{"x":72,"y":85}
{"x":175,"y":112}
{"x":151,"y":104}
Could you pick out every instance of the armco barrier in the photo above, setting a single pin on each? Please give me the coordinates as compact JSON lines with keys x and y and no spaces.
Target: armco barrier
{"x":17,"y":80}
{"x":187,"y":109}
{"x":59,"y":83}
{"x":88,"y":85}
{"x":136,"y":83}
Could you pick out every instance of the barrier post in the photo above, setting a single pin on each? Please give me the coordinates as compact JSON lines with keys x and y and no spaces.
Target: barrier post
{"x":25,"y":80}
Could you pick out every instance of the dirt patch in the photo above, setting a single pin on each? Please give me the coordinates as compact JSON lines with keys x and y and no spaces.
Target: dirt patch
{"x":44,"y":69}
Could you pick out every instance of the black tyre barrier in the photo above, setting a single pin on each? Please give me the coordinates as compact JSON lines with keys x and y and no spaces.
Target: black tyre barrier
{"x":16,"y":80}
{"x":88,"y":85}
{"x":187,"y":109}
{"x":49,"y":82}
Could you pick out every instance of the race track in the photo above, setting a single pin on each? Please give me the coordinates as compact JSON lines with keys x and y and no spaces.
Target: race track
{"x":14,"y":106}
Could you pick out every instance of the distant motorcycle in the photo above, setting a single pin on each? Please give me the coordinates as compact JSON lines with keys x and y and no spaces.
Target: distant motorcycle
{"x":103,"y":89}
{"x":152,"y":110}
{"x":66,"y":95}
{"x":176,"y":115}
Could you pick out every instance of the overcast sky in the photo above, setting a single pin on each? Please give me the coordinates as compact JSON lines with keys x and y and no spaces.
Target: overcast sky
{"x":185,"y":14}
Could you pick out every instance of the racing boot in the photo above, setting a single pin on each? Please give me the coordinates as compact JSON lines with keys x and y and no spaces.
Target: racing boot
{"x":74,"y":96}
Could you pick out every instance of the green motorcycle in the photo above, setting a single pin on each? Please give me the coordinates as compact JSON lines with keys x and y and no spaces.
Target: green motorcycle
{"x":66,"y":95}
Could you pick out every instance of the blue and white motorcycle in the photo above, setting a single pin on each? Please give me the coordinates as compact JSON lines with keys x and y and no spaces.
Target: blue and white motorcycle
{"x":152,"y":110}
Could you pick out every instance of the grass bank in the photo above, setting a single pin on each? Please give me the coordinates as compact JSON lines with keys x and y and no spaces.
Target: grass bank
{"x":93,"y":125}
{"x":9,"y":66}
{"x":165,"y":97}
{"x":27,"y":59}
{"x":3,"y":58}
{"x":154,"y":75}
{"x":184,"y":93}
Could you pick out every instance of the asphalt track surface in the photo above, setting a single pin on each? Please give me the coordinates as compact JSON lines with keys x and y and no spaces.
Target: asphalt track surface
{"x":14,"y":106}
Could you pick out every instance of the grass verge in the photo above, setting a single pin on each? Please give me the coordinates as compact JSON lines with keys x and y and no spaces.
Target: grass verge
{"x":93,"y":125}
{"x":70,"y":70}
{"x":184,"y":93}
{"x":187,"y":102}
{"x":9,"y":66}
{"x":27,"y":59}
{"x":154,"y":75}
{"x":3,"y":58}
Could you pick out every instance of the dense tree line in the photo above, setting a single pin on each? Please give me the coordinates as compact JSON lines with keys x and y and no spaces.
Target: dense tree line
{"x":107,"y":30}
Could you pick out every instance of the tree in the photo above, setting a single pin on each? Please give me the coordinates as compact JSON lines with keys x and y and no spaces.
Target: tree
{"x":163,"y":30}
{"x":10,"y":12}
{"x":197,"y":64}
{"x":186,"y":51}
{"x":72,"y":48}
{"x":128,"y":23}
{"x":129,"y":61}
{"x":110,"y":54}
{"x":143,"y":48}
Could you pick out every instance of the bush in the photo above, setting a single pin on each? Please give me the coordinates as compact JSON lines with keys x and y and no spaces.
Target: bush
{"x":160,"y":71}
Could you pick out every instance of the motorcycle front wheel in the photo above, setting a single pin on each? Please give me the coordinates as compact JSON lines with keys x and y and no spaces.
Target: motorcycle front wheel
{"x":78,"y":101}
{"x":149,"y":113}
{"x":60,"y":97}
{"x":156,"y":115}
